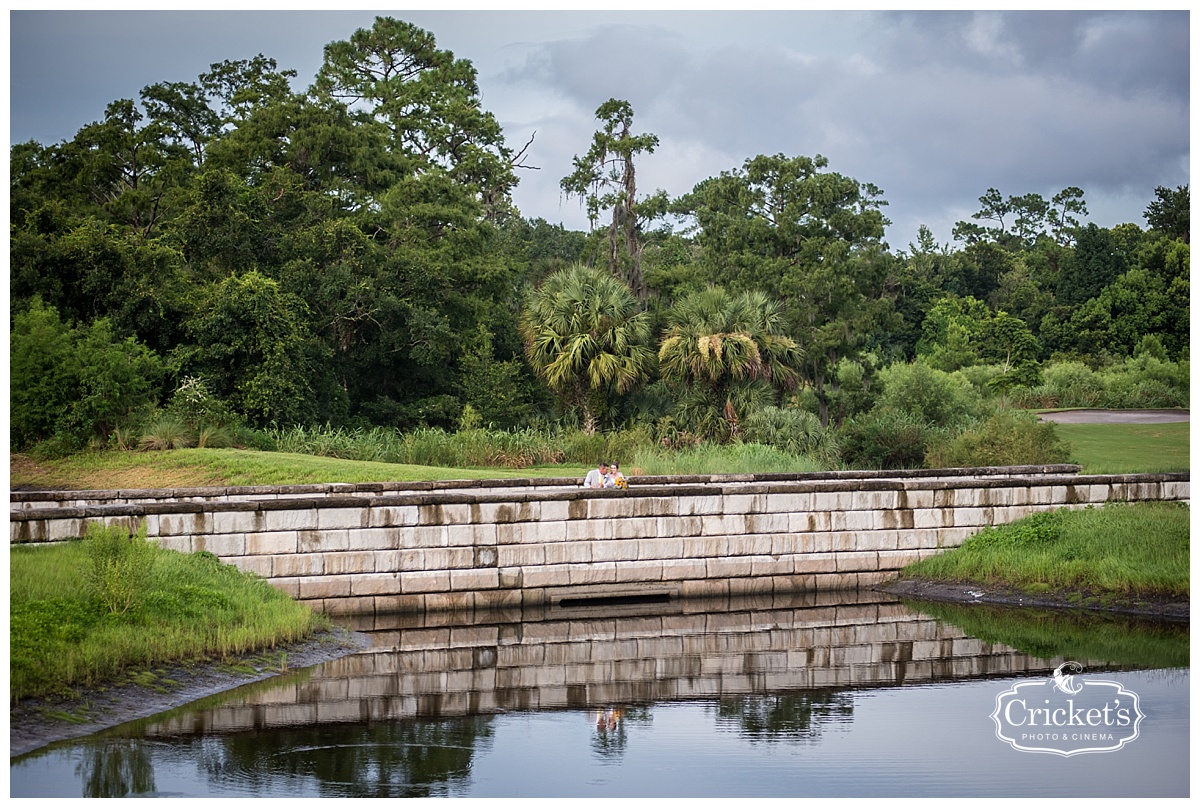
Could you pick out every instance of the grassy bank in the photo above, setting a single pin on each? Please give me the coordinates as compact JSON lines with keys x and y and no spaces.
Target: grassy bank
{"x":181,"y":468}
{"x":80,"y":615}
{"x":1128,"y":448}
{"x":1120,"y":550}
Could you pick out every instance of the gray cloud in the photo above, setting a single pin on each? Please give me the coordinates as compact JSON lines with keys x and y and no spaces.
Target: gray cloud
{"x":933,"y":107}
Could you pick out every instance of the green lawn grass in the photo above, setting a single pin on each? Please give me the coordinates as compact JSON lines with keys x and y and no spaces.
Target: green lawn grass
{"x":1128,"y":550}
{"x":1128,"y":448}
{"x":204,"y":467}
{"x":186,"y":607}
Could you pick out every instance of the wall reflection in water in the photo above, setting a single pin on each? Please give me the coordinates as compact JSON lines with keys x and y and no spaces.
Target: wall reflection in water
{"x":772,"y":671}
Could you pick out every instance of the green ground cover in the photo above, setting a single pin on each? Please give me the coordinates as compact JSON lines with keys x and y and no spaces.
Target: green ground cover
{"x":81,"y":613}
{"x":1120,"y":550}
{"x":1128,"y":448}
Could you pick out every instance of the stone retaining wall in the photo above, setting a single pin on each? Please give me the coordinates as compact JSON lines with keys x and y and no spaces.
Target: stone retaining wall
{"x":389,"y":548}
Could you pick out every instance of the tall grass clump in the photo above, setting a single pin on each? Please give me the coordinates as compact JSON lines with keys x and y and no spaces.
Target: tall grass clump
{"x":1131,"y":550}
{"x":732,"y":458}
{"x":119,"y":564}
{"x":188,"y":607}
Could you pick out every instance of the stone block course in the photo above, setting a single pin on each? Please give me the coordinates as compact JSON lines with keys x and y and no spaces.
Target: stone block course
{"x":383,"y":548}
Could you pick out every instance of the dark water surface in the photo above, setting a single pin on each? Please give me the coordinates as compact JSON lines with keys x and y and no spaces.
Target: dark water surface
{"x":828,"y":695}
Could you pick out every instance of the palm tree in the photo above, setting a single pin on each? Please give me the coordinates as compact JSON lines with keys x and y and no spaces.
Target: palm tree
{"x":727,"y":356}
{"x":586,"y":335}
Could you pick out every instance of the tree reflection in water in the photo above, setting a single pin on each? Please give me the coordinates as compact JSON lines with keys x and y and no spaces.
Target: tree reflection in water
{"x":402,"y":759}
{"x":795,"y":716}
{"x":116,"y":768}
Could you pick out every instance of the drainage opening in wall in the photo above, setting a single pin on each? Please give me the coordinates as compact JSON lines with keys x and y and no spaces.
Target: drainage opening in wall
{"x":616,"y":600}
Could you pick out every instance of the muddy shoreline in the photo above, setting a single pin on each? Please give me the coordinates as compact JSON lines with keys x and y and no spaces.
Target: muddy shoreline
{"x":1173,"y":609}
{"x":35,"y":723}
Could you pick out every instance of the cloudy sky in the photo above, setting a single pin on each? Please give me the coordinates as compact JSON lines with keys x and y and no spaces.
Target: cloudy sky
{"x":933,"y":107}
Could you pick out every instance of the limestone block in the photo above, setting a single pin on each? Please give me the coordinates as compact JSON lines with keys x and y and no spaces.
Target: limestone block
{"x":494,"y":599}
{"x":510,"y":577}
{"x":815,"y":542}
{"x":181,"y":524}
{"x":789,"y":503}
{"x":558,"y":510}
{"x":932,"y":518}
{"x":351,"y":563}
{"x":659,"y":548}
{"x":954,"y":536}
{"x":772,"y":565}
{"x":635,"y":528}
{"x":852,"y":520}
{"x":343,"y":518}
{"x":868,"y":579}
{"x":972,"y":517}
{"x":615,"y":550}
{"x":271,"y":543}
{"x":325,"y":586}
{"x":520,"y":555}
{"x":745,"y":545}
{"x":180,"y":544}
{"x":424,"y":581}
{"x":877,"y":540}
{"x":505,"y":512}
{"x":375,"y":583}
{"x":292,"y":565}
{"x":609,"y":508}
{"x":449,"y":602}
{"x":723,"y":525}
{"x":447,"y":558}
{"x":575,"y":552}
{"x":843,"y":542}
{"x":809,"y":522}
{"x":376,"y":538}
{"x":473,"y":579}
{"x":317,"y":541}
{"x":703,"y":587}
{"x":838,"y":581}
{"x":705,"y":546}
{"x":235,"y":522}
{"x":604,"y":572}
{"x":392,"y":516}
{"x":589,"y":529}
{"x":221,"y":546}
{"x":768,"y":522}
{"x":654,"y":506}
{"x":734,"y":567}
{"x":749,"y":587}
{"x":261,"y":566}
{"x":678,"y":526}
{"x":546,"y":576}
{"x":424,"y":536}
{"x":745,"y":503}
{"x":288,"y":586}
{"x":684,"y":569}
{"x":700,"y":506}
{"x":897,"y":559}
{"x":812,"y":563}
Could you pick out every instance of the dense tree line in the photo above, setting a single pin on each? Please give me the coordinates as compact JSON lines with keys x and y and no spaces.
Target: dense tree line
{"x":246,"y":255}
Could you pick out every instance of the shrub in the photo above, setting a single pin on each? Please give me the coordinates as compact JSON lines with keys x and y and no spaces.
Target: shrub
{"x":118,"y":565}
{"x":1010,"y":438}
{"x":166,"y":432}
{"x":935,"y":397}
{"x":885,"y":439}
{"x":794,"y":431}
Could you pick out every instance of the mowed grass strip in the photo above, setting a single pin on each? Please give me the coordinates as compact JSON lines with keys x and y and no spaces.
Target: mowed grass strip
{"x":1128,"y":448}
{"x":1123,"y":549}
{"x":183,"y":468}
{"x":189,"y":607}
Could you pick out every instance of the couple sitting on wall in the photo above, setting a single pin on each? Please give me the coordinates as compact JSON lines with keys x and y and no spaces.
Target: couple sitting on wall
{"x":606,"y":475}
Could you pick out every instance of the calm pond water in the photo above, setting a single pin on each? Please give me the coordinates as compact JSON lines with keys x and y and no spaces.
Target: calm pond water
{"x":826,"y":695}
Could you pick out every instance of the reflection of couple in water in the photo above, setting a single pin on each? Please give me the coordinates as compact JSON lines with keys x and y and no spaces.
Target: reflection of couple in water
{"x":608,"y":718}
